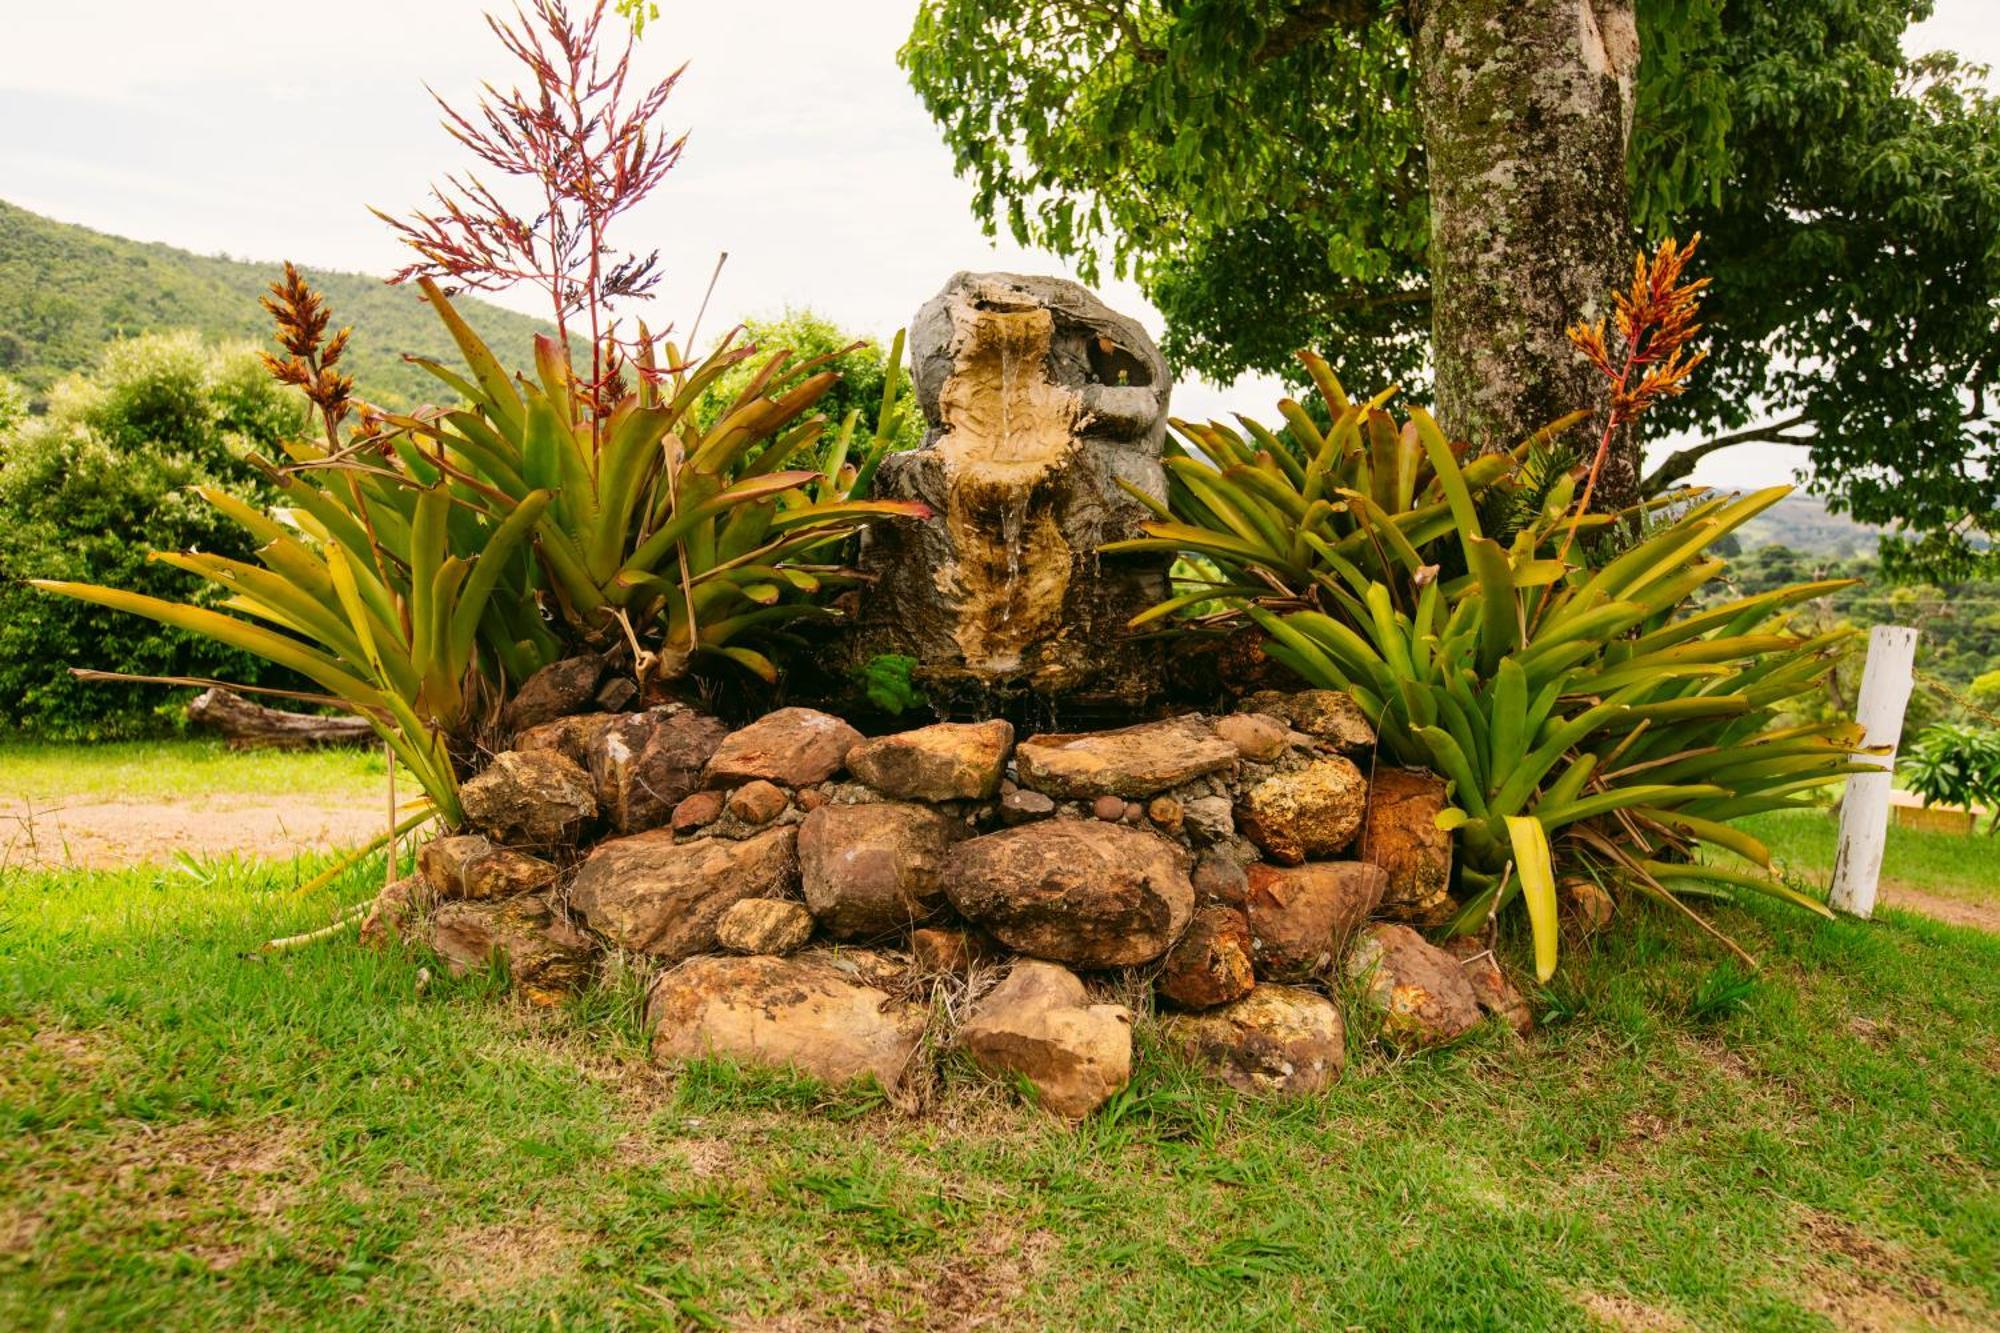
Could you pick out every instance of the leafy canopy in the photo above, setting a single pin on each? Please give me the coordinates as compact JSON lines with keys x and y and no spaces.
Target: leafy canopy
{"x":1259,"y":168}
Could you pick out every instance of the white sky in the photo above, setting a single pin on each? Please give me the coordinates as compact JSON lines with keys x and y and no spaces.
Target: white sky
{"x":262,"y":130}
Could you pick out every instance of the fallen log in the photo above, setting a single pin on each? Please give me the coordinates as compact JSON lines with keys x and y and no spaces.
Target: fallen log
{"x":249,"y":726}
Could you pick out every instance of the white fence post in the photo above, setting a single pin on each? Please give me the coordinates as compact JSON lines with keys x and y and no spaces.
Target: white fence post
{"x":1864,"y":810}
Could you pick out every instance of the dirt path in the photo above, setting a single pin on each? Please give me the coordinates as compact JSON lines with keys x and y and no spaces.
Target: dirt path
{"x":107,"y":834}
{"x":1952,"y":911}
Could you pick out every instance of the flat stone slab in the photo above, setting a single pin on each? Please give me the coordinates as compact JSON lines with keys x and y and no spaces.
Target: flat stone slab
{"x":1136,"y":761}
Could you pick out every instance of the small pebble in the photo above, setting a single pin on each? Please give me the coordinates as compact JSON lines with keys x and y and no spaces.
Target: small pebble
{"x":758,"y":802}
{"x":697,"y":811}
{"x":1108,"y":808}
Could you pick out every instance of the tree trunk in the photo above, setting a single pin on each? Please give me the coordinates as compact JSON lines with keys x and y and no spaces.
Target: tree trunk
{"x":252,"y":726}
{"x":1527,"y":111}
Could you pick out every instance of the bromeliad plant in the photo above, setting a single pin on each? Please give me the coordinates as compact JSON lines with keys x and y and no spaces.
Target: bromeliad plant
{"x":1591,"y":721}
{"x":424,"y":563}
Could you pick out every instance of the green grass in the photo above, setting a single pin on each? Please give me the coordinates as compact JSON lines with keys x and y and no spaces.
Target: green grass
{"x":189,"y":1139}
{"x":1948,"y":864}
{"x":161,"y":770}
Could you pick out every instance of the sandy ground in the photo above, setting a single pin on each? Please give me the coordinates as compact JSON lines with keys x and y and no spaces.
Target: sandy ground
{"x":103,"y":835}
{"x":1955,"y":911}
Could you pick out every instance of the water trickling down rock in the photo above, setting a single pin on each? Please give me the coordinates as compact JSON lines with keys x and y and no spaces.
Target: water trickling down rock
{"x":1040,"y":401}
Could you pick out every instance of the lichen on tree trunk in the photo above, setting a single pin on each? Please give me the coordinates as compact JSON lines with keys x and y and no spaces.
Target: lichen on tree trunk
{"x":1527,"y":109}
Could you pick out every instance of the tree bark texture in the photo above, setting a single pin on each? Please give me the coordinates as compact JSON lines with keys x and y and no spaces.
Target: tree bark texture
{"x":251,"y":726}
{"x":1527,"y":111}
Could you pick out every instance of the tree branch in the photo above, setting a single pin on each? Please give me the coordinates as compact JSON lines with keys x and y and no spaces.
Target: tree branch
{"x":1682,"y":461}
{"x":1310,"y":20}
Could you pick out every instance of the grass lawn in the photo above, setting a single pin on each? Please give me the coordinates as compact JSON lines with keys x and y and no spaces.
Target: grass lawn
{"x":39,"y":772}
{"x":1950,"y":865}
{"x":190,"y":1139}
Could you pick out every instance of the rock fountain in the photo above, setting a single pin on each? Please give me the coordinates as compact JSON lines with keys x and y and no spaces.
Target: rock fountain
{"x":1041,"y":401}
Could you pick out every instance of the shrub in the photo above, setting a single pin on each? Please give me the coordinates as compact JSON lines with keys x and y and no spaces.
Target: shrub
{"x":863,"y":367}
{"x":87,"y":490}
{"x":1954,"y":763}
{"x":1591,"y":717}
{"x":424,"y":563}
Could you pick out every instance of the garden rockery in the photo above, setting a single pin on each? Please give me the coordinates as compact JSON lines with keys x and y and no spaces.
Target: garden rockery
{"x":861,"y":907}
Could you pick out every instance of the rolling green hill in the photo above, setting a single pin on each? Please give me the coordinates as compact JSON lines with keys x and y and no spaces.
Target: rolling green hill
{"x":65,"y":291}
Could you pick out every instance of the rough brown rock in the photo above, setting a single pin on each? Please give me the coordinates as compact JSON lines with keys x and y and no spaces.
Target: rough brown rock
{"x":568,"y":686}
{"x":1255,"y":735}
{"x":793,"y":747}
{"x":394,"y":912}
{"x":644,"y":764}
{"x":1166,"y":813}
{"x":697,"y":811}
{"x":764,"y":925}
{"x":1021,"y":807}
{"x":1584,"y":905}
{"x":950,"y":761}
{"x":942,"y":949}
{"x":1301,"y":917}
{"x":1311,"y":811}
{"x":1278,"y":1040}
{"x":545,"y":955}
{"x":1074,"y":891}
{"x":1496,"y":994}
{"x":1140,"y":760}
{"x":1212,"y":962}
{"x":873,"y":869}
{"x":530,"y":798}
{"x":1330,"y":716}
{"x":652,"y":895}
{"x":1040,"y":1025}
{"x":1401,"y":835}
{"x":1110,"y":809}
{"x":570,"y":736}
{"x":469,"y":866}
{"x":1220,"y":878}
{"x":816,"y":1012}
{"x":758,"y":802}
{"x":1420,"y":991}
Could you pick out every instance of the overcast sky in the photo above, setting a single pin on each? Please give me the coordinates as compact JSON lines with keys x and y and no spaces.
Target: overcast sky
{"x":262,"y":130}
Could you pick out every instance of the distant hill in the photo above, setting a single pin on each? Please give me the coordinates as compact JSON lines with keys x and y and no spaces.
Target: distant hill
{"x":65,"y":291}
{"x":1802,"y":523}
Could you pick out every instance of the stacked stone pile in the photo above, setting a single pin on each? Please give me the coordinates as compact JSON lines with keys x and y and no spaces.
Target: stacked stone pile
{"x":804,"y":890}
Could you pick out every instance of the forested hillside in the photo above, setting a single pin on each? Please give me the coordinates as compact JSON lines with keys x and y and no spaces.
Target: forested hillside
{"x":66,"y":291}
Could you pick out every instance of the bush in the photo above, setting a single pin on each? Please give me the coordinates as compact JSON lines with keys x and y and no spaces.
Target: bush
{"x":1954,"y":763}
{"x":88,"y":490}
{"x":1593,"y":719}
{"x":810,"y":337}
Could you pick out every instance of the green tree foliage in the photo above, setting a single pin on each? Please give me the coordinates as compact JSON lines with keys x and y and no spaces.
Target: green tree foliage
{"x":1953,"y":764}
{"x":862,"y":365}
{"x":66,"y":291}
{"x":89,"y":489}
{"x":1259,"y":168}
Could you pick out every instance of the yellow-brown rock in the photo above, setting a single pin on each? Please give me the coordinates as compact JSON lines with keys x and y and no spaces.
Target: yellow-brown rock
{"x":1312,"y":811}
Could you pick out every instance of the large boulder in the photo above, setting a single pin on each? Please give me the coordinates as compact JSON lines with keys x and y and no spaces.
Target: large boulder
{"x":1280,"y":1040}
{"x":1301,"y":917}
{"x":816,"y":1012}
{"x":644,"y":764}
{"x":948,"y":761}
{"x":544,"y":954}
{"x":793,"y":747}
{"x":1039,"y":1024}
{"x":530,"y":798}
{"x":1420,"y":992}
{"x":1401,"y":835}
{"x":1041,"y":402}
{"x":1213,"y":962}
{"x":568,"y":686}
{"x":649,"y":894}
{"x":1081,"y":892}
{"x":1310,"y":811}
{"x":1131,"y":761}
{"x":870,"y":870}
{"x":469,"y":866}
